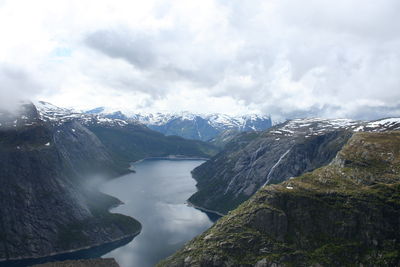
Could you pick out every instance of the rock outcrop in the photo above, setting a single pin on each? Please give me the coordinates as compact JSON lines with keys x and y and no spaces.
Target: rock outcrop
{"x":343,"y":214}
{"x":252,"y":160}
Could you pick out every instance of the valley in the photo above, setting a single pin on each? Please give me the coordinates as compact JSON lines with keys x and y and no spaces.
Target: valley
{"x":263,"y":181}
{"x":155,"y":195}
{"x":51,"y":162}
{"x":199,"y":133}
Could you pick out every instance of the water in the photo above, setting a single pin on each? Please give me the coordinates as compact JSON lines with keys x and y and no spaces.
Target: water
{"x":155,"y":195}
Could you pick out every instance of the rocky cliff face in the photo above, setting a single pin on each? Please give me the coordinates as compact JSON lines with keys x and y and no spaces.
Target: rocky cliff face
{"x":46,"y":206}
{"x":343,"y":214}
{"x":252,"y":160}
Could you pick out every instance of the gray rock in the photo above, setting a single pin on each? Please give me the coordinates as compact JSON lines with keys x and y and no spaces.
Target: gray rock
{"x":250,"y":162}
{"x":46,"y":204}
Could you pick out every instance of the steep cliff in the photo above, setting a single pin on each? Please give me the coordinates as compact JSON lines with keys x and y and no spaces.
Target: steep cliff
{"x":343,"y":214}
{"x":252,"y":160}
{"x":46,"y":205}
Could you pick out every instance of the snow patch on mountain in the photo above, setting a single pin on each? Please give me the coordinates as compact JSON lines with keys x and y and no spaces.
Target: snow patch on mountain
{"x":393,"y":123}
{"x":319,"y":126}
{"x":192,"y":125}
{"x":58,"y":116}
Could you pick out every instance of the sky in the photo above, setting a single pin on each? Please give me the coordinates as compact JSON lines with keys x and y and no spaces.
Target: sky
{"x":286,"y":58}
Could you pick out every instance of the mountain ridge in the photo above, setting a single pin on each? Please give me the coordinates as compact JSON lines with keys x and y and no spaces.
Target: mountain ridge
{"x":47,"y":206}
{"x":343,"y":214}
{"x":192,"y":125}
{"x":51,"y":160}
{"x":127,"y":139}
{"x":252,"y":160}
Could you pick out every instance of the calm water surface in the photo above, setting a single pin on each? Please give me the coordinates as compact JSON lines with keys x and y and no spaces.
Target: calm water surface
{"x":155,"y":195}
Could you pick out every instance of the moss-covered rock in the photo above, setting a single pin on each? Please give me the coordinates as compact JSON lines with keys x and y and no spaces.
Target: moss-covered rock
{"x":343,"y":214}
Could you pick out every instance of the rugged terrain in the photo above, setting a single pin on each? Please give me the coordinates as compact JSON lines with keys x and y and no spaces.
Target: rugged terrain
{"x":251,"y":160}
{"x":47,"y":205}
{"x":51,"y":161}
{"x":192,"y":126}
{"x":344,"y":214}
{"x":204,"y":127}
{"x":126,"y":139}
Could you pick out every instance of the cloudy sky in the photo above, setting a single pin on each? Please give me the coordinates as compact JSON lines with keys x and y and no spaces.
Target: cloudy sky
{"x":286,"y":58}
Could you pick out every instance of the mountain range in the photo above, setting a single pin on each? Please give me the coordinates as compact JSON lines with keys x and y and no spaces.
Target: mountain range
{"x":50,"y":161}
{"x":192,"y":126}
{"x":127,"y":139}
{"x":254,"y":159}
{"x":306,"y":192}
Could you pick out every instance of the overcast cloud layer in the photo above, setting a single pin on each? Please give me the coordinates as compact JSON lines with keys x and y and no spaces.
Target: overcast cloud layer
{"x":285,"y":58}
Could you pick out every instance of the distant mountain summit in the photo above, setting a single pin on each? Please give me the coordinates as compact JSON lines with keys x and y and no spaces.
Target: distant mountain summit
{"x":193,"y":126}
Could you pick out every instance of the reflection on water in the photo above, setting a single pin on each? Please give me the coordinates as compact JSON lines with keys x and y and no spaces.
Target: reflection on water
{"x":155,"y":195}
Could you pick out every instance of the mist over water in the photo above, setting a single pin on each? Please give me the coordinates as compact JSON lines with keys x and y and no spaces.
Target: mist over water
{"x":155,"y":195}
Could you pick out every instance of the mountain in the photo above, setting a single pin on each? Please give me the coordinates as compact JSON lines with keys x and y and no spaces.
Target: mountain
{"x":202,"y":127}
{"x":193,"y":126}
{"x":126,"y":139}
{"x":224,"y":137}
{"x":47,"y":206}
{"x":344,"y":214}
{"x":51,"y":158}
{"x":251,"y":160}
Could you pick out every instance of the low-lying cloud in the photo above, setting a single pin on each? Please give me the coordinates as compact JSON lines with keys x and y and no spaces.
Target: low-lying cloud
{"x":15,"y":85}
{"x":285,"y":58}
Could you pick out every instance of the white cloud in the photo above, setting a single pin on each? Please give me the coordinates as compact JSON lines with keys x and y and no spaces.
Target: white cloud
{"x":287,"y":58}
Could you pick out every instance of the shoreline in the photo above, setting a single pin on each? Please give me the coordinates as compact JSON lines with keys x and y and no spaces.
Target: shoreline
{"x":72,"y":251}
{"x":190,"y":204}
{"x":66,"y":253}
{"x":170,"y":157}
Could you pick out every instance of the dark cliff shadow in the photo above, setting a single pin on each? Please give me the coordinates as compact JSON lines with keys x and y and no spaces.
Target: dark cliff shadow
{"x":90,"y":253}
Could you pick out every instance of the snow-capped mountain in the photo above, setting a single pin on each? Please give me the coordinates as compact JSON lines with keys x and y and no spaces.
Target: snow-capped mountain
{"x":202,"y":127}
{"x":193,"y":126}
{"x":184,"y":124}
{"x":56,"y":115}
{"x":218,"y":121}
{"x":318,"y":126}
{"x":127,"y":139}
